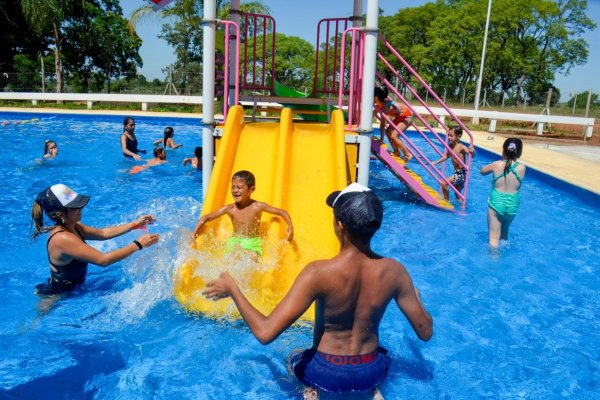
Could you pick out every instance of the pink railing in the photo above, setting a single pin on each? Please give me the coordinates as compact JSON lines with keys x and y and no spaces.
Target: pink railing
{"x":258,"y":72}
{"x":353,"y":88}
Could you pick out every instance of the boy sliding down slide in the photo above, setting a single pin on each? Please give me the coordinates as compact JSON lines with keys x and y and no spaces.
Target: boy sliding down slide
{"x":245,"y":215}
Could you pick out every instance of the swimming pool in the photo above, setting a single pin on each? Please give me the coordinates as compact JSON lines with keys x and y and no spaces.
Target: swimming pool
{"x":519,"y":325}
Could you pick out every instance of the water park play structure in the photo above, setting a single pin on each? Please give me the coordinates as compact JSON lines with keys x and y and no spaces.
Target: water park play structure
{"x":298,"y":161}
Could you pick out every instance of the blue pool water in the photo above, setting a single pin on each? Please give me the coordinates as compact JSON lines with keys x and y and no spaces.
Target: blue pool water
{"x":520,"y":325}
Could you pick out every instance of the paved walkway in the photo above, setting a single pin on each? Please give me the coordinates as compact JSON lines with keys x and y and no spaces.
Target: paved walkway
{"x":579,"y":164}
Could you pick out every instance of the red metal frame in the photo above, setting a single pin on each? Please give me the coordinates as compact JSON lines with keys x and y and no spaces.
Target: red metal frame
{"x":329,"y":76}
{"x":229,"y":26}
{"x":255,"y":30}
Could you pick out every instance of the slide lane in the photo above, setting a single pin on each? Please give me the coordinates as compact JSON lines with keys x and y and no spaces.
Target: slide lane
{"x":410,"y":178}
{"x":296,"y":166}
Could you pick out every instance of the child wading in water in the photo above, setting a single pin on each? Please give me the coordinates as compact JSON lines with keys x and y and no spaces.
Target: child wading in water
{"x":459,"y":151}
{"x":196,"y":161}
{"x":50,"y":150}
{"x":245,"y":214}
{"x":504,"y":198}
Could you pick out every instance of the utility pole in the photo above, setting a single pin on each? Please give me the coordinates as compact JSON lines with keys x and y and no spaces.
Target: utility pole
{"x":480,"y":79}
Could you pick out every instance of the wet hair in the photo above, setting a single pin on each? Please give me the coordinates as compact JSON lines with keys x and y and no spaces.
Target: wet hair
{"x":381,"y":92}
{"x":168,"y":133}
{"x":511,"y":149}
{"x":198,"y":152}
{"x":246,"y":176}
{"x":158,"y":151}
{"x":47,"y":144}
{"x":458,"y":131}
{"x":128,"y":120}
{"x":37,"y":220}
{"x":361,"y":213}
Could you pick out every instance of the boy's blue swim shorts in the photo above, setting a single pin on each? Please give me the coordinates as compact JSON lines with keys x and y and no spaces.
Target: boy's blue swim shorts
{"x":333,"y":373}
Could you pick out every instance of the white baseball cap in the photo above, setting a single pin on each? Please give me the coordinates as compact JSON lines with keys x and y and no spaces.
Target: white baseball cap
{"x":59,"y":196}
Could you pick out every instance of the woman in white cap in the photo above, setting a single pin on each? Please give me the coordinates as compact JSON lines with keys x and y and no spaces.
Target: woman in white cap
{"x":68,"y":253}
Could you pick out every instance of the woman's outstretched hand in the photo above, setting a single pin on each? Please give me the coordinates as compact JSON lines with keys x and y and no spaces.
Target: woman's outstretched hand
{"x":148,"y":239}
{"x":142,"y":221}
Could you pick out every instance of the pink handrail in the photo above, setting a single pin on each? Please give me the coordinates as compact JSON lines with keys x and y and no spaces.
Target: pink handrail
{"x":440,"y":102}
{"x":354,"y":86}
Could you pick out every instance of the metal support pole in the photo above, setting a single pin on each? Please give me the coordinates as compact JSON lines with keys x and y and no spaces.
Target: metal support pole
{"x":366,"y":110}
{"x":235,"y":17}
{"x":43,"y":82}
{"x":480,"y":79}
{"x":587,"y":132}
{"x":208,"y":91}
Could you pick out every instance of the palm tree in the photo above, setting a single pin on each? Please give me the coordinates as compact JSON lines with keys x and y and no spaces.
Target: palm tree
{"x":183,"y":32}
{"x":45,"y":15}
{"x":146,"y":13}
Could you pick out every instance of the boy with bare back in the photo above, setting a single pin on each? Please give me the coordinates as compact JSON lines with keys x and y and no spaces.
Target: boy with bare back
{"x":351,"y":292}
{"x":245,"y":215}
{"x":458,"y":150}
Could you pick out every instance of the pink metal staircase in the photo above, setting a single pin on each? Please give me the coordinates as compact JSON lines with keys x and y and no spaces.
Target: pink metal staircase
{"x":338,"y":71}
{"x":353,"y":84}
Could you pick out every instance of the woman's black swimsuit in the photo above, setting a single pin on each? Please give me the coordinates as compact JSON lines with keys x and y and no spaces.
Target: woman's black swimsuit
{"x":131,"y":145}
{"x":63,"y":277}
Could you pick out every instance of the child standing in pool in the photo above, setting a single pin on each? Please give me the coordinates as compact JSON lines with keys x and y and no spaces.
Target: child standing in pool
{"x":167,"y":139}
{"x":50,"y":150}
{"x":460,"y":152}
{"x":504,"y":198}
{"x":129,"y":142}
{"x":195,"y":161}
{"x":401,"y":118}
{"x":245,"y":214}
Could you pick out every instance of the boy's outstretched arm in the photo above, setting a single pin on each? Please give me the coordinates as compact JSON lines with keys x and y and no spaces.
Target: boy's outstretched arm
{"x":439,"y":160}
{"x":283,"y":214}
{"x":207,"y":218}
{"x":267,"y":328}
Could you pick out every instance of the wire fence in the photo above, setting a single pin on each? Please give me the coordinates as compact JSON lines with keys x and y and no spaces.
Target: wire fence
{"x":190,"y":84}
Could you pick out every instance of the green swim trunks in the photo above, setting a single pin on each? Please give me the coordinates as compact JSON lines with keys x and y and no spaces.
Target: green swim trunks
{"x":254,"y":244}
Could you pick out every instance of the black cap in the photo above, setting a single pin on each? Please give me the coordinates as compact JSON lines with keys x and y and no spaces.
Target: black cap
{"x":358,"y":208}
{"x":58,"y":197}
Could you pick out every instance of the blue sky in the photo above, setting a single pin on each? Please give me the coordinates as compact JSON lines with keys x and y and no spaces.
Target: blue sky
{"x":301,"y":18}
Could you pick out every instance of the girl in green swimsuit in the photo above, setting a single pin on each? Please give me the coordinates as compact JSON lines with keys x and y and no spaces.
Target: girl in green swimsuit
{"x":504,"y":198}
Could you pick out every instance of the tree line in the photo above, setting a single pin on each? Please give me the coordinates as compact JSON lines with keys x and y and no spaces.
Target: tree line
{"x":529,"y":42}
{"x":88,"y":41}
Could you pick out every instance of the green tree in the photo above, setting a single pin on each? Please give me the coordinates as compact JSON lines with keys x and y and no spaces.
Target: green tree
{"x":17,"y":38}
{"x":294,"y":61}
{"x":529,"y":42}
{"x":98,"y":46}
{"x":183,"y":32}
{"x":44,"y":16}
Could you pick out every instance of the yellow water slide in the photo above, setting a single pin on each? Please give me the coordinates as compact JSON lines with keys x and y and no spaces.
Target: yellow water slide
{"x":296,"y":166}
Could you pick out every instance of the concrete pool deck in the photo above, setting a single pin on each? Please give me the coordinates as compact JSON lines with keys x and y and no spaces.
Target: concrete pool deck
{"x":572,"y":162}
{"x":578,"y":164}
